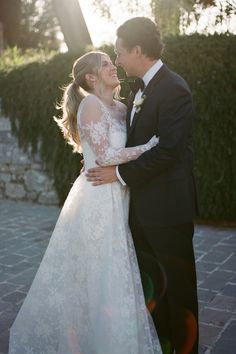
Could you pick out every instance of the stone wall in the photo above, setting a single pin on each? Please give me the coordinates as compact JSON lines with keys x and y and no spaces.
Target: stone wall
{"x":21,"y":176}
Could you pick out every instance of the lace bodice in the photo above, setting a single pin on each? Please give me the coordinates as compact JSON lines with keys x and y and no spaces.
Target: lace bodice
{"x":102,"y":133}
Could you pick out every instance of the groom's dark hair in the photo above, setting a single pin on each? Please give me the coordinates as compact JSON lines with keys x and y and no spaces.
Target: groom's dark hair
{"x":143,"y":32}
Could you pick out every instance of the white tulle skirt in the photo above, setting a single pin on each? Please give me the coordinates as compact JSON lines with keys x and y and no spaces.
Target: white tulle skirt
{"x":87,"y":297}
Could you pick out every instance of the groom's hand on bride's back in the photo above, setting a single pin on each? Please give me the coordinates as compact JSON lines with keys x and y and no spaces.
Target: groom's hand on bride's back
{"x":101,"y":175}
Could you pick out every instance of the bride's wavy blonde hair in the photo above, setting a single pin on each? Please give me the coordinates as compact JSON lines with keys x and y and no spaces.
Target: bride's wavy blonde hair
{"x":89,"y":63}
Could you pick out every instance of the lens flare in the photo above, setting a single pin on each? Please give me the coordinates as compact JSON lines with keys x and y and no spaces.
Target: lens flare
{"x":148,"y":287}
{"x":191,"y":332}
{"x":166,"y":345}
{"x":153,"y":278}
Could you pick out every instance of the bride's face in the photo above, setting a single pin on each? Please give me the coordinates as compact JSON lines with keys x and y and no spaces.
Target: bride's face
{"x":108,"y":73}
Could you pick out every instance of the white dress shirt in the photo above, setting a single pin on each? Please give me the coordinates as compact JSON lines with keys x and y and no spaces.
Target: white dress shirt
{"x":146,"y":79}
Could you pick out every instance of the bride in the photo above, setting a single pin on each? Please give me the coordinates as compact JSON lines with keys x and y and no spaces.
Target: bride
{"x":87,"y":297}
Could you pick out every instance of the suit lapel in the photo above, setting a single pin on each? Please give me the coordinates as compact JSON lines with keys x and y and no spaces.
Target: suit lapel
{"x":131,"y":128}
{"x":147,"y":91}
{"x":129,"y":109}
{"x":156,"y":78}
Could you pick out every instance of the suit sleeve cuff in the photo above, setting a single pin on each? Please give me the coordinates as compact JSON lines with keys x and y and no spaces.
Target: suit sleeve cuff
{"x":119,"y":177}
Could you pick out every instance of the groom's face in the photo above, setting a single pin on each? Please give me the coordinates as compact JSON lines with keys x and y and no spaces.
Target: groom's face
{"x":126,"y":58}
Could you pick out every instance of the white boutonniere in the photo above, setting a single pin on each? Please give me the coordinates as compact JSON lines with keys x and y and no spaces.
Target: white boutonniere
{"x":138,"y":104}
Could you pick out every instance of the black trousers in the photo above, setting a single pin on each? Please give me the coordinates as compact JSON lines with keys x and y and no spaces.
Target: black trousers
{"x":166,"y":260}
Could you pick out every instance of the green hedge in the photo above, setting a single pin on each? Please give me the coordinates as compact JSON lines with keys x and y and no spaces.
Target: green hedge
{"x":28,"y":96}
{"x":208,"y":64}
{"x":29,"y":93}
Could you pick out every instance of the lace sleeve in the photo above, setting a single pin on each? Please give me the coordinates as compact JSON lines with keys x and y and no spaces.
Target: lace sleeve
{"x":94,"y":125}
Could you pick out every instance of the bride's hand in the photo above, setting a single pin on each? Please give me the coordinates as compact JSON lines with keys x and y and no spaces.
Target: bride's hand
{"x":152,"y":142}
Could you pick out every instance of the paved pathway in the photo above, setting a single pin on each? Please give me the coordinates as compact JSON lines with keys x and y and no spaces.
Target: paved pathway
{"x":25,"y":229}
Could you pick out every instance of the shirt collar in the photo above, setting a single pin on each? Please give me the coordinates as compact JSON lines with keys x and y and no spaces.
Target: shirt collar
{"x":152,"y":71}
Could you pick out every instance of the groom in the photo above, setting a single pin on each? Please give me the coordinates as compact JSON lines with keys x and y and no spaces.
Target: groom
{"x":161,"y":181}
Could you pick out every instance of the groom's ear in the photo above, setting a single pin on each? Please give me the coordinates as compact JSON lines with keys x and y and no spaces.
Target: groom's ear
{"x":137,"y":50}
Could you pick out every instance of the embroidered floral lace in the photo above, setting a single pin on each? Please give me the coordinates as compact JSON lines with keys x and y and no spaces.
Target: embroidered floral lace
{"x":87,"y":297}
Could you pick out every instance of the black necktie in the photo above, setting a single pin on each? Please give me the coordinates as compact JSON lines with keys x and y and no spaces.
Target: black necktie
{"x":136,"y":85}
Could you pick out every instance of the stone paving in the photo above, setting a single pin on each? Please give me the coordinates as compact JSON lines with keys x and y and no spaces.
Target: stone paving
{"x":25,"y":229}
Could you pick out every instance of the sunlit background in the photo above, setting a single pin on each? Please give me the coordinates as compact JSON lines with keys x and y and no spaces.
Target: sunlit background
{"x":103,"y":29}
{"x":59,"y":24}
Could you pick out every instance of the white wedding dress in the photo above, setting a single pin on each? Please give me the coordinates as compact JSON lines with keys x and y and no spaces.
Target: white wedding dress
{"x":87,"y":297}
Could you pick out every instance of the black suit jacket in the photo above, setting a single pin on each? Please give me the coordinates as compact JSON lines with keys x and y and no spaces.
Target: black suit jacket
{"x":161,"y":180}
